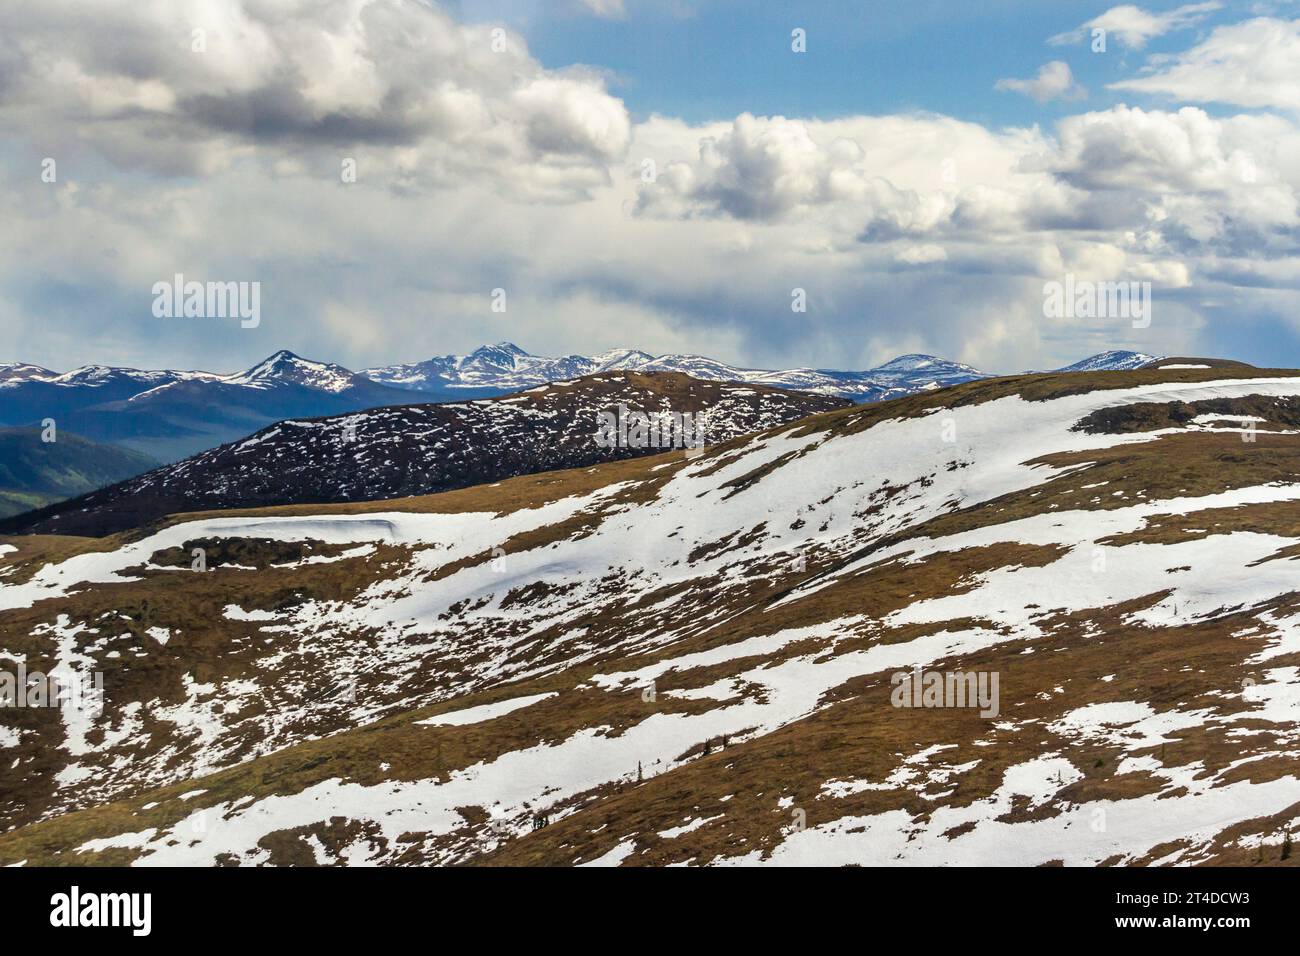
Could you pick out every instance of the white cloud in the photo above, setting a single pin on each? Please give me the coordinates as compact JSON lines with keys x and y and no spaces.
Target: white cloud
{"x":609,"y":9}
{"x":1131,"y":26}
{"x":398,"y":83}
{"x":1054,"y":81}
{"x":921,"y":254}
{"x":1194,"y":179}
{"x":887,"y":176}
{"x":762,"y":168}
{"x":1163,"y":152}
{"x":1253,"y":64}
{"x":1158,"y":183}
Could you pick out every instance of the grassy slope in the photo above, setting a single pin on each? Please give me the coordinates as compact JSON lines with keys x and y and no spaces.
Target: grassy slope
{"x":34,"y":473}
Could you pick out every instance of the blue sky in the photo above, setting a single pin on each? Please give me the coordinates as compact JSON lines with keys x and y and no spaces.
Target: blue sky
{"x":867,"y":57}
{"x":921,"y":172}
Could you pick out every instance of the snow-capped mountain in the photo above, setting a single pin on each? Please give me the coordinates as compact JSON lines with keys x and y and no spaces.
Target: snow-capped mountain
{"x":23,"y":372}
{"x":1114,"y":361}
{"x":505,"y":365}
{"x":284,"y":366}
{"x":421,"y":449}
{"x":168,"y":414}
{"x":501,"y":366}
{"x":986,"y":625}
{"x":105,"y":377}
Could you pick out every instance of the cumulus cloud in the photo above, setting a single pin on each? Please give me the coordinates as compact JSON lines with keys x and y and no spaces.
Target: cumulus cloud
{"x":761,"y":168}
{"x":1252,"y":64}
{"x":1132,"y":27}
{"x":925,"y":181}
{"x":1166,"y":196}
{"x":1053,"y":81}
{"x":1194,"y":178}
{"x":191,"y":85}
{"x":885,"y":177}
{"x":1128,"y":147}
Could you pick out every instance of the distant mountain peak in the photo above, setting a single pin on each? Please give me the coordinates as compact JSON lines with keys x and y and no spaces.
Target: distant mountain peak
{"x":503,"y":355}
{"x":910,"y":360}
{"x":286,"y":366}
{"x":621,"y":358}
{"x":25,"y":372}
{"x":1115,"y":360}
{"x":499,"y":348}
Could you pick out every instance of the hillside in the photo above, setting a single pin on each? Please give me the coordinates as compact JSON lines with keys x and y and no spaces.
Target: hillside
{"x":34,"y":473}
{"x":420,"y":449}
{"x":695,"y":660}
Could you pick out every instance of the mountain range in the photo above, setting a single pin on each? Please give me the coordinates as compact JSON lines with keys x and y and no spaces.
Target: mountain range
{"x":724,"y":659}
{"x":506,"y":365}
{"x":168,"y":415}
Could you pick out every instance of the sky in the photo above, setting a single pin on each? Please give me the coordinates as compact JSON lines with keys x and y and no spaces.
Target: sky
{"x":403,"y":179}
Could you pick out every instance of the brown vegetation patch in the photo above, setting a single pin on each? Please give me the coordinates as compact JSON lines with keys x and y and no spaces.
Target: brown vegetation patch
{"x":1149,"y":416}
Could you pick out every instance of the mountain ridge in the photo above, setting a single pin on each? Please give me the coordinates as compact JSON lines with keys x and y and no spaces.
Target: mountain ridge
{"x":507,"y":364}
{"x":168,"y":415}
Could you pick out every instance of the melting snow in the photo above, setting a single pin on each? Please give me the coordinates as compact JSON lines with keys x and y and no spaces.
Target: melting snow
{"x":475,"y":715}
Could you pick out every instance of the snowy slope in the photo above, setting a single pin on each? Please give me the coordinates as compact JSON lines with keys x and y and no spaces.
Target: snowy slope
{"x":672,"y":660}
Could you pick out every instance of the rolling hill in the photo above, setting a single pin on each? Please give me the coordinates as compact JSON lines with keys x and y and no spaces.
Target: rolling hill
{"x":708,"y":660}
